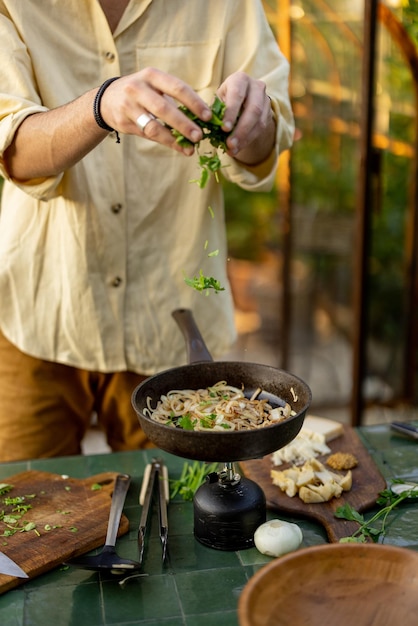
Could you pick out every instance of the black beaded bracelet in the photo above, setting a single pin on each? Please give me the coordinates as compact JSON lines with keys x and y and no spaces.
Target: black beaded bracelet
{"x":96,"y":108}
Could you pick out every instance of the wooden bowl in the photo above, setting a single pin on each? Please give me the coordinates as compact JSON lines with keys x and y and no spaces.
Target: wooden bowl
{"x":346,"y":584}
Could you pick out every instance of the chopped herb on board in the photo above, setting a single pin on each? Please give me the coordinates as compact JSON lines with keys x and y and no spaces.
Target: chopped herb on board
{"x":5,"y":488}
{"x":15,"y":514}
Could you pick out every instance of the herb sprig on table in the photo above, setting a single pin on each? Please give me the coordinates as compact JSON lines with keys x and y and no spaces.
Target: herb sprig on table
{"x":192,"y":477}
{"x":209,"y":164}
{"x":367,"y":529}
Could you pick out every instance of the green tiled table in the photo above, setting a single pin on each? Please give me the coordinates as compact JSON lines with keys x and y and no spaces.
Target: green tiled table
{"x":198,"y":586}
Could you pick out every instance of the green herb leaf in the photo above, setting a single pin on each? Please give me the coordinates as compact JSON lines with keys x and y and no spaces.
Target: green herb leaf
{"x":349,"y":513}
{"x":207,"y":420}
{"x":202,"y":282}
{"x":186,"y":422}
{"x":353,"y":540}
{"x":11,"y":519}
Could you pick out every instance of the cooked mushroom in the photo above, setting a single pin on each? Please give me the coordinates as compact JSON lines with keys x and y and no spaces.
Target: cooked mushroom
{"x":313,"y":482}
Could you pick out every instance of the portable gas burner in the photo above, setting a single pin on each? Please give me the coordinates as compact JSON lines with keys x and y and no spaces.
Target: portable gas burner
{"x":228,"y":508}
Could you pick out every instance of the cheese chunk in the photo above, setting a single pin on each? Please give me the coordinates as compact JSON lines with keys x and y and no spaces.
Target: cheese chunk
{"x":330,"y":429}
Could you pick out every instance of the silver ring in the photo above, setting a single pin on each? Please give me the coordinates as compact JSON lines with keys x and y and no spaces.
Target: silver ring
{"x":144,"y":119}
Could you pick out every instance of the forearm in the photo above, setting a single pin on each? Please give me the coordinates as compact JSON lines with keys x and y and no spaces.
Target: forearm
{"x":50,"y":142}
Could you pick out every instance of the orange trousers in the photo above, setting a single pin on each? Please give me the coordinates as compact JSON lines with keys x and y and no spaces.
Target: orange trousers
{"x":46,"y":408}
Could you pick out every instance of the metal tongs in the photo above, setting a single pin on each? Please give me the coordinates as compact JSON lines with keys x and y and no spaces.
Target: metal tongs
{"x":155,"y":476}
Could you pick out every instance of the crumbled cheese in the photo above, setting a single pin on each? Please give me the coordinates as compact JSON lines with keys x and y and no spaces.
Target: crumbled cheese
{"x":306,"y":445}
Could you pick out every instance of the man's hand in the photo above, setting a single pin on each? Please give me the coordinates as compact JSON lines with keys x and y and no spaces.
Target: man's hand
{"x":248,"y":112}
{"x":154,"y":92}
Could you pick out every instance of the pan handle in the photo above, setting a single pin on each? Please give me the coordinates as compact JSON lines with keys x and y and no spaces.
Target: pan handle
{"x":196,"y":347}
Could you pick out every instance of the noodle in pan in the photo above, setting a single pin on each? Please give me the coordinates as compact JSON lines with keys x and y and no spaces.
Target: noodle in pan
{"x":220,"y":407}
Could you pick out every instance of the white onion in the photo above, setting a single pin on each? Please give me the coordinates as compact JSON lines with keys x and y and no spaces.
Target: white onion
{"x":277,"y":537}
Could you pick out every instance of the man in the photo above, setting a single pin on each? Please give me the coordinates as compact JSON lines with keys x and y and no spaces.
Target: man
{"x":99,"y":222}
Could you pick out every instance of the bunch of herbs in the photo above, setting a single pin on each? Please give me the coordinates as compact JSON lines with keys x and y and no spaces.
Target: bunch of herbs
{"x":192,"y":477}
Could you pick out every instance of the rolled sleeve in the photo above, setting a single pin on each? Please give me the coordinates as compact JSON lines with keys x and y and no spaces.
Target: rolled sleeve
{"x":261,"y":177}
{"x":40,"y":188}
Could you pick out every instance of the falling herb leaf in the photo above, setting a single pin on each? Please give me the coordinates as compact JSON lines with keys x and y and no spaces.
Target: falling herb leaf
{"x":202,"y":282}
{"x":96,"y":487}
{"x":210,"y":164}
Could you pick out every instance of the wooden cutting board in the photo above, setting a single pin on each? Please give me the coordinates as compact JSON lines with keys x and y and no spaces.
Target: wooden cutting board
{"x":75,"y":516}
{"x":367,"y":483}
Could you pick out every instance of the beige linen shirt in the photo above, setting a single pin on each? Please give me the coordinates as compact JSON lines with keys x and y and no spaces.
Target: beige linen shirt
{"x":92,"y":261}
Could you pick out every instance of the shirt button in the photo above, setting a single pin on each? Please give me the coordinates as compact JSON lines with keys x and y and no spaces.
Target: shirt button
{"x":116,"y":208}
{"x":116,"y":281}
{"x":110,"y":56}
